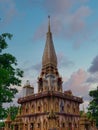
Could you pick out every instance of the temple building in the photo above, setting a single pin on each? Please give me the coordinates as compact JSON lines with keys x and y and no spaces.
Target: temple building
{"x":87,"y":123}
{"x":50,"y":108}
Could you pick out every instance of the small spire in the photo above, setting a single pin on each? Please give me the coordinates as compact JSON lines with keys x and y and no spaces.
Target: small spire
{"x":49,"y":24}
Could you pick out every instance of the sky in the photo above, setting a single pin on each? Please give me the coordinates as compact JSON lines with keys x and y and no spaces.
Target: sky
{"x":74,"y":26}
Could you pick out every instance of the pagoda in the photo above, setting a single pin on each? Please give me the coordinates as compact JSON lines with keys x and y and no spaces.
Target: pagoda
{"x":50,"y":108}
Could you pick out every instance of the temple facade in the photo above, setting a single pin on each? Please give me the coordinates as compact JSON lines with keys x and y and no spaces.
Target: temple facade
{"x":50,"y":108}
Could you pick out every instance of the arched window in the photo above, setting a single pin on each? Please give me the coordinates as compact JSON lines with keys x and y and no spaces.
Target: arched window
{"x":39,"y":124}
{"x":75,"y":125}
{"x":26,"y":109}
{"x":32,"y":126}
{"x":63,"y":125}
{"x":32,"y":108}
{"x":74,"y":110}
{"x":39,"y":107}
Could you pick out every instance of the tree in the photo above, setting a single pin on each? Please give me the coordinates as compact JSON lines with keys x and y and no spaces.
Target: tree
{"x":13,"y":111}
{"x":9,"y":74}
{"x":93,"y":105}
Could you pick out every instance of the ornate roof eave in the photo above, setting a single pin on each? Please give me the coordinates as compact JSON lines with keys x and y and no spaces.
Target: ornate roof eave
{"x":49,"y":93}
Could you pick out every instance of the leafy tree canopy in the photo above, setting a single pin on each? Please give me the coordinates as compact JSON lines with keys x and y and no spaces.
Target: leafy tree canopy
{"x":9,"y":74}
{"x":93,"y":105}
{"x":13,"y":111}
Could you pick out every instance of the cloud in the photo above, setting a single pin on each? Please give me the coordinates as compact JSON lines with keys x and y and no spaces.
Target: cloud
{"x":8,"y":9}
{"x":92,"y":79}
{"x":77,"y":83}
{"x":68,"y":20}
{"x":76,"y":21}
{"x":80,"y":83}
{"x":31,"y":73}
{"x":63,"y":61}
{"x":57,"y":6}
{"x":60,"y":7}
{"x":56,"y":28}
{"x":36,"y":68}
{"x":93,"y":73}
{"x":94,"y":67}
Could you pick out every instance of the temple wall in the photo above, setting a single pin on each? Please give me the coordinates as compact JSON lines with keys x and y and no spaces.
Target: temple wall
{"x":46,"y":104}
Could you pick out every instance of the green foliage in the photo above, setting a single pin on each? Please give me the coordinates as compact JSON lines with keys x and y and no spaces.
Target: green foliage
{"x":93,"y":105}
{"x":12,"y":110}
{"x":2,"y":124}
{"x":9,"y":74}
{"x":81,"y":112}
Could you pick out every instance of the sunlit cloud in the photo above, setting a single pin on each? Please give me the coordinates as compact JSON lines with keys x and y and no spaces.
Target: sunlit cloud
{"x":77,"y":83}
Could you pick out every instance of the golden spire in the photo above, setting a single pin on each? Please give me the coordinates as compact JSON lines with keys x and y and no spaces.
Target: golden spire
{"x":49,"y":55}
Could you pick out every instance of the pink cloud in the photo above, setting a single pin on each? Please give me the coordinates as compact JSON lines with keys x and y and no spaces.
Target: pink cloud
{"x":77,"y":78}
{"x":77,"y":83}
{"x":76,"y":20}
{"x":65,"y":23}
{"x":77,"y":26}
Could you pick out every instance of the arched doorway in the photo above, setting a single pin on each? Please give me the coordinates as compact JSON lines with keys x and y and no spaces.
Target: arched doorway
{"x":32,"y":126}
{"x":16,"y":127}
{"x":70,"y":126}
{"x":86,"y":126}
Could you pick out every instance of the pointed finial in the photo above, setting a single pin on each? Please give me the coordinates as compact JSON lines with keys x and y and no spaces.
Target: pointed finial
{"x":49,"y":23}
{"x":49,"y":17}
